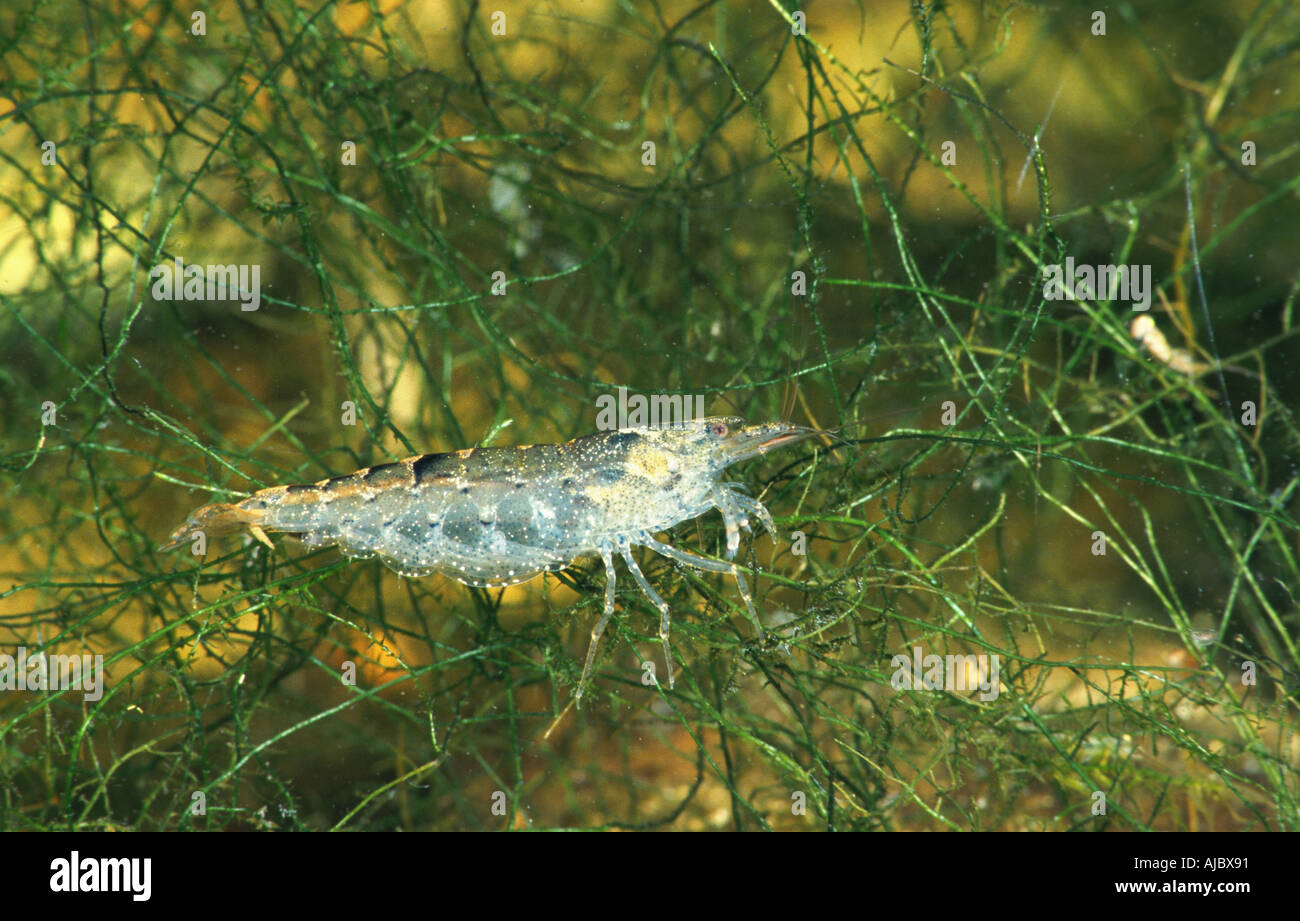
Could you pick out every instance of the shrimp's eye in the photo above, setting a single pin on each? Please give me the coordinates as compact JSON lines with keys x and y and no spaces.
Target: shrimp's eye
{"x":718,"y":429}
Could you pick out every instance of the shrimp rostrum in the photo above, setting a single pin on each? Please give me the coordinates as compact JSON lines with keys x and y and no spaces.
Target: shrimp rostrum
{"x":498,"y":516}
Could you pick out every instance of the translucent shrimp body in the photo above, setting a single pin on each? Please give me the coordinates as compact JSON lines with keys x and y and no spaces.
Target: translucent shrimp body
{"x":499,"y":516}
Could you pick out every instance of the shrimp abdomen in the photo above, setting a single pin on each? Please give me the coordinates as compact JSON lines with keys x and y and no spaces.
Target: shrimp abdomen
{"x":452,"y":513}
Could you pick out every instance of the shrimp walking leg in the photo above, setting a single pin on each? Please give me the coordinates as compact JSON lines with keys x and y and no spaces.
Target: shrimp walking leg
{"x":665,"y":617}
{"x":699,"y":562}
{"x":599,"y":629}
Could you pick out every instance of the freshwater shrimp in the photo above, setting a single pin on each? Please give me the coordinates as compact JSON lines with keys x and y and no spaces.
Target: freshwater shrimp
{"x":492,"y":517}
